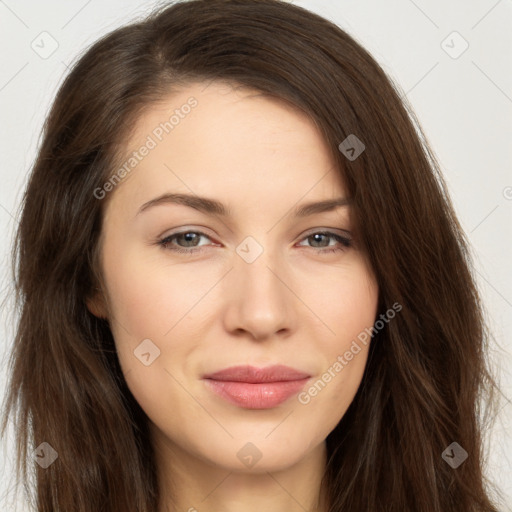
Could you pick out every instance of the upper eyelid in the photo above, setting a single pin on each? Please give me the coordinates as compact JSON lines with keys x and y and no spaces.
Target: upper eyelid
{"x":312,"y":231}
{"x":334,"y":231}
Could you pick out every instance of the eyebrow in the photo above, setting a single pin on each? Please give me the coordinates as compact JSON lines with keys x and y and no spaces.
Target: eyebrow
{"x":214,"y":207}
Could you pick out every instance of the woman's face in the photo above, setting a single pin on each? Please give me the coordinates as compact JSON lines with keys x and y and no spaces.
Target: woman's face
{"x":254,"y":285}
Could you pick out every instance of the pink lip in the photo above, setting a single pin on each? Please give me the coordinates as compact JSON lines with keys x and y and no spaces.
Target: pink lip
{"x":257,"y":388}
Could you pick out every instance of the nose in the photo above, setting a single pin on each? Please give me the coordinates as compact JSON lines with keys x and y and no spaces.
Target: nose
{"x":259,"y":298}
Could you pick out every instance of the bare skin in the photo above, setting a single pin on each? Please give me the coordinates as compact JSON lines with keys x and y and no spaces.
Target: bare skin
{"x":295,"y":304}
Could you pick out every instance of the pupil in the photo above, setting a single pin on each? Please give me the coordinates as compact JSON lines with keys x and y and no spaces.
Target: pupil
{"x":315,"y":237}
{"x":189,"y":237}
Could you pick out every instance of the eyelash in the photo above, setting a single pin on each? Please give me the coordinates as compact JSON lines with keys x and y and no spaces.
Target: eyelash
{"x":346,"y":243}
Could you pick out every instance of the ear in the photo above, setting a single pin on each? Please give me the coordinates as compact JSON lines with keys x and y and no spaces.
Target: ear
{"x":96,"y":306}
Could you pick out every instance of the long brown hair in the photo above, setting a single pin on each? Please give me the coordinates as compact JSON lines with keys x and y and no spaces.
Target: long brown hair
{"x":426,"y":375}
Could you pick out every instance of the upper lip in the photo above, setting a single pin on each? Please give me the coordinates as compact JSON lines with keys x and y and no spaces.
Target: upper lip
{"x":253,"y":375}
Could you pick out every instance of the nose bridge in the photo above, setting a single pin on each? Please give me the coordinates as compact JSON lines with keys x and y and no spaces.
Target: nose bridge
{"x":260,"y":301}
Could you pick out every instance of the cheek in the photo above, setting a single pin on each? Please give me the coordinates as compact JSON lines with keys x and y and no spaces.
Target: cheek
{"x":155,"y":310}
{"x":148,"y":310}
{"x":348,"y":310}
{"x":147,"y":299}
{"x":148,"y":304}
{"x":345,"y":302}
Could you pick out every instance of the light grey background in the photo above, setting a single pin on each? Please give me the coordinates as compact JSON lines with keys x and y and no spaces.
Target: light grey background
{"x":462,"y":99}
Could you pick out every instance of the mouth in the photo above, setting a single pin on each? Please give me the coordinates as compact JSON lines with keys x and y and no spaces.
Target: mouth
{"x":256,"y":388}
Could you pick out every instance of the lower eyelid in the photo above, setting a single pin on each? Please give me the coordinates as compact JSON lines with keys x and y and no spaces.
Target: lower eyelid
{"x":345,"y":241}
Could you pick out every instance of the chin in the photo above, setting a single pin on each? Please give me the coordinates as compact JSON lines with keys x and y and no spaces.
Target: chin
{"x":255,"y":456}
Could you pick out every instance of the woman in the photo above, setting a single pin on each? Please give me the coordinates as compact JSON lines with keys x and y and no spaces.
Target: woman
{"x":242,"y":282}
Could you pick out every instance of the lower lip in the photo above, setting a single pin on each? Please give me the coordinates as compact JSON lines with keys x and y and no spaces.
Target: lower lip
{"x":264,"y":395}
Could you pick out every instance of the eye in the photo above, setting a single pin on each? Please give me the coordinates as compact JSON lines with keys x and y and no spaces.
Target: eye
{"x":191,"y":239}
{"x":187,"y":237}
{"x":342,"y":243}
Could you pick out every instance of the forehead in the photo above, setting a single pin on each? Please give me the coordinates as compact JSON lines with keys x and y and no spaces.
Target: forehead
{"x":217,"y":140}
{"x":222,"y":115}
